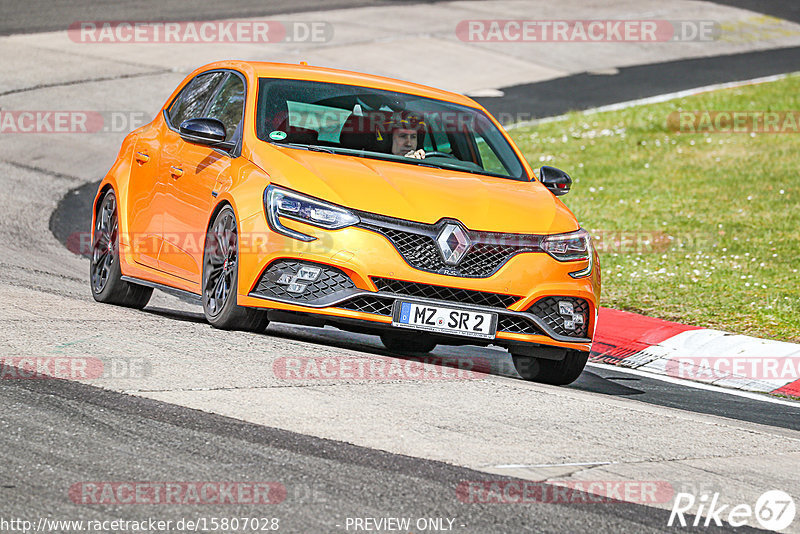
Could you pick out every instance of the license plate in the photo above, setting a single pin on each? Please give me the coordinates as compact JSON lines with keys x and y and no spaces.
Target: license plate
{"x":444,"y":320}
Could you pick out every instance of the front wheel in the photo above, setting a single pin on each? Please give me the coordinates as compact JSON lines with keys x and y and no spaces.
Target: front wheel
{"x":105,"y":274}
{"x":555,"y":372}
{"x":221,"y":276}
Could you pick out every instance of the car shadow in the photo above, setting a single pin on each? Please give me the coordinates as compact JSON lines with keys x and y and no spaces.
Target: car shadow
{"x":178,"y":315}
{"x":479,"y":360}
{"x":607,"y":385}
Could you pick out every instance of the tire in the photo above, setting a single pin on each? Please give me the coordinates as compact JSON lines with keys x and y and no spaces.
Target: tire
{"x":221,"y":277}
{"x":555,"y":372}
{"x":105,"y":274}
{"x":410,"y":342}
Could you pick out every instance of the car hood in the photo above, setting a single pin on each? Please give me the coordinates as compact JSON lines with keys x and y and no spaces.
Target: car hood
{"x":417,"y":193}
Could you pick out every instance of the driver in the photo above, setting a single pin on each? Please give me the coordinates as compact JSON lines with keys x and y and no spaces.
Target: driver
{"x":407,"y":130}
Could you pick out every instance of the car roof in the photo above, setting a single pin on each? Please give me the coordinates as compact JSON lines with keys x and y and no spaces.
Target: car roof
{"x":263,"y":69}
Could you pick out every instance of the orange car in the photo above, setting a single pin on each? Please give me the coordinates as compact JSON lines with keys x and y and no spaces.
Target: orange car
{"x":318,"y":196}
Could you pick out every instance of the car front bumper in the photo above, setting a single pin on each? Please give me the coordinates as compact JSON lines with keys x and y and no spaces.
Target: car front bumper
{"x":363,"y":274}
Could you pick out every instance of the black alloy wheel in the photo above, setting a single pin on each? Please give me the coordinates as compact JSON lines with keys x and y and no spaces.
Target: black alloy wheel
{"x":105,"y":274}
{"x":221,"y":277}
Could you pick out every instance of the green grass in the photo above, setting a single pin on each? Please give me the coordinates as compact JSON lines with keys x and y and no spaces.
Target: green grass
{"x":722,"y":209}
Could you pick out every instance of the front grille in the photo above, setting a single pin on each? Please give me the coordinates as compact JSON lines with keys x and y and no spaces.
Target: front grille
{"x":450,"y":294}
{"x":418,"y":250}
{"x":369,"y":304}
{"x":416,"y":243}
{"x":548,"y":310}
{"x":487,"y":258}
{"x":330,"y":284}
{"x":516,"y":324}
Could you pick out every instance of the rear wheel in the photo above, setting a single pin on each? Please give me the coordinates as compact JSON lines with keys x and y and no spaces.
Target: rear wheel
{"x":555,"y":372}
{"x":410,"y":342}
{"x":105,"y":275}
{"x":221,"y":276}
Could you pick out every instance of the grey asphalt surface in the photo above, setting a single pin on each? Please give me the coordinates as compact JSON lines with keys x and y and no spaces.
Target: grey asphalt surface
{"x":54,"y":433}
{"x":782,"y":9}
{"x":45,"y":15}
{"x":57,"y":433}
{"x":588,"y":90}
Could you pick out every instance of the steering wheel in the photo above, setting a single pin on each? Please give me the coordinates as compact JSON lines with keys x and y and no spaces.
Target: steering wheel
{"x":437,"y":153}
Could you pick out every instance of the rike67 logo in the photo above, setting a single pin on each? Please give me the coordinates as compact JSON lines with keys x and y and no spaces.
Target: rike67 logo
{"x":774,"y":510}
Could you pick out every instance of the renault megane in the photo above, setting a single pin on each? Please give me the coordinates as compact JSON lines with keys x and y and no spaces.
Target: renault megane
{"x":319,"y":196}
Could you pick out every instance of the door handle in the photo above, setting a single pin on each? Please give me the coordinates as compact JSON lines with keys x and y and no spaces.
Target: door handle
{"x":176,"y":172}
{"x":142,"y":158}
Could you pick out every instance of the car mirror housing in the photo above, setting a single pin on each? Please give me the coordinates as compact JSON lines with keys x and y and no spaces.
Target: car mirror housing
{"x":556,"y":180}
{"x":203,"y":131}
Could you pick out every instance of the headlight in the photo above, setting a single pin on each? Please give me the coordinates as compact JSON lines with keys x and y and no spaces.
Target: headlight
{"x":279,"y":202}
{"x":569,"y":247}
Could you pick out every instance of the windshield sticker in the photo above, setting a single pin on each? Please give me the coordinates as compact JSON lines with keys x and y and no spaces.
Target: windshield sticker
{"x":277,"y":135}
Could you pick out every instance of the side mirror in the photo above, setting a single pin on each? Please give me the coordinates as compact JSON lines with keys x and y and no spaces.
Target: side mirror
{"x":556,"y":180}
{"x":203,"y":131}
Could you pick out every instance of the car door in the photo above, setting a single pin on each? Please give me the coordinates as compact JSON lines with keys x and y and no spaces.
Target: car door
{"x":194,"y":173}
{"x":145,"y":195}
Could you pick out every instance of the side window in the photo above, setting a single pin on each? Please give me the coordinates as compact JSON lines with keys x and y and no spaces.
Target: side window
{"x":326,"y":121}
{"x":442,"y":142}
{"x":192,"y":100}
{"x":228,"y":105}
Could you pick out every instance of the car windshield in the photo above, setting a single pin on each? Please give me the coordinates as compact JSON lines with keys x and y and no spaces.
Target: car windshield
{"x":361,"y":121}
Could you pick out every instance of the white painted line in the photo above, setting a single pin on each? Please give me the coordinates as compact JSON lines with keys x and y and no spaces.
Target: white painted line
{"x":577,"y":464}
{"x":697,"y":385}
{"x":657,"y":99}
{"x":485,"y":93}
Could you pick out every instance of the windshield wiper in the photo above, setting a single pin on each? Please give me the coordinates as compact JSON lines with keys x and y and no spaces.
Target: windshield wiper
{"x":313,"y":148}
{"x":317,"y":148}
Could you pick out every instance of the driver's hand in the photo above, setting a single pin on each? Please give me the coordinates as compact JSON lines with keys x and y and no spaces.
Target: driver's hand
{"x":419,"y":154}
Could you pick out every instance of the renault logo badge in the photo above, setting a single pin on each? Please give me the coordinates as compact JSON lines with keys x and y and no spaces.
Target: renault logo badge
{"x":453,"y":243}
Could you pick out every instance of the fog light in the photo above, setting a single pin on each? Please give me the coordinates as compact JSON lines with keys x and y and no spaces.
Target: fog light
{"x":565,"y":308}
{"x":308,"y":274}
{"x":297,"y":283}
{"x":296,"y":288}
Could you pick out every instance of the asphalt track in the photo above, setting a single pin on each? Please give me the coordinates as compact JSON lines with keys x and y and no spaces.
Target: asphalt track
{"x":108,"y":436}
{"x":45,"y":15}
{"x":55,"y":432}
{"x":589,"y":90}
